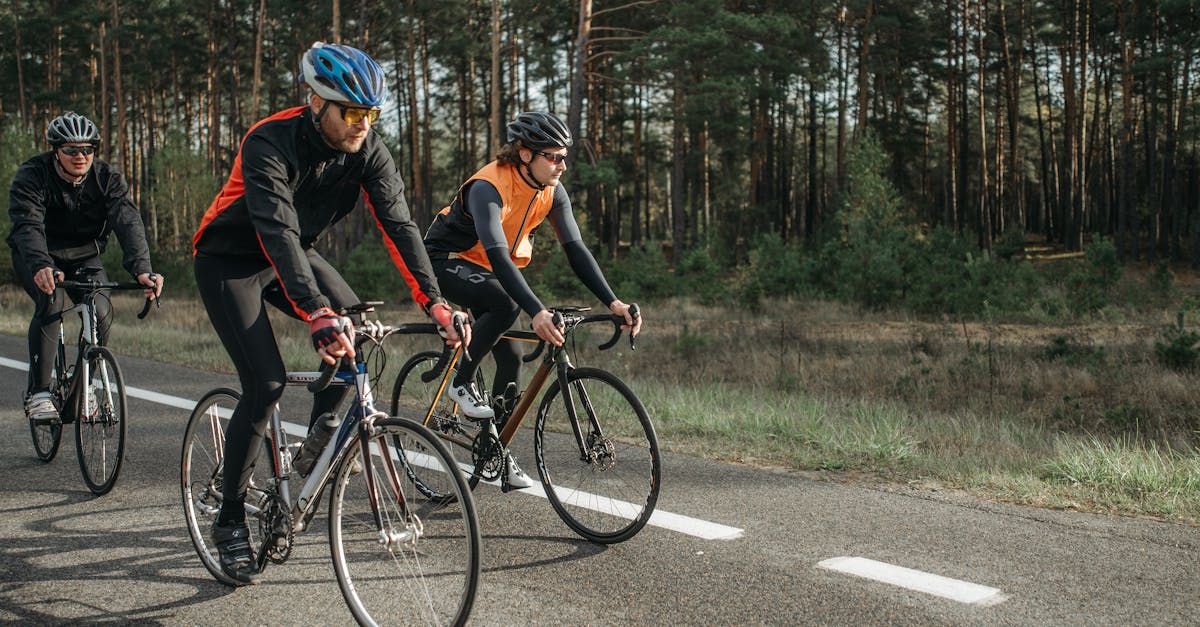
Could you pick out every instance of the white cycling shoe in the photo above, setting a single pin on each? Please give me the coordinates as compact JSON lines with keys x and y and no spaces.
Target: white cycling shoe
{"x":469,"y":399}
{"x":514,"y":477}
{"x":39,"y":409}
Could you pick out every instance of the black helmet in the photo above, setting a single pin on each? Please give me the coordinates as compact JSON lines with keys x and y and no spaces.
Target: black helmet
{"x":538,"y":129}
{"x":71,"y":128}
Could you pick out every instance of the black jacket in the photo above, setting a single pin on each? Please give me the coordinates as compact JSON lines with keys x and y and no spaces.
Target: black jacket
{"x":287,"y":186}
{"x":55,"y":221}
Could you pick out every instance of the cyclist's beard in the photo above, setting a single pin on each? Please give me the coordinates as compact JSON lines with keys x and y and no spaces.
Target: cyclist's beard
{"x":347,"y":141}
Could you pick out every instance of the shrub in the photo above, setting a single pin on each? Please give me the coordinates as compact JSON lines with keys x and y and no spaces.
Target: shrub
{"x":700,"y":275}
{"x":1177,"y":348}
{"x":1089,"y":287}
{"x":876,"y":245}
{"x":775,"y":270}
{"x":644,"y":272}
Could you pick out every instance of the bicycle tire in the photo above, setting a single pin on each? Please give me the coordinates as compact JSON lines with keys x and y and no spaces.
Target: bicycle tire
{"x":411,"y":399}
{"x":100,"y":434}
{"x":200,"y":475}
{"x":609,"y":494}
{"x":426,"y":568}
{"x":47,"y":437}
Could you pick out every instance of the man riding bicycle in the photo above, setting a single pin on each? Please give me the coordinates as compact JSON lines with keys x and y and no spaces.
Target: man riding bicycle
{"x":479,"y":243}
{"x":298,"y":172}
{"x":63,"y":204}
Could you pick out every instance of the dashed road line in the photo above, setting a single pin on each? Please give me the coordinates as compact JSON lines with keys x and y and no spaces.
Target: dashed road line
{"x":945,"y":587}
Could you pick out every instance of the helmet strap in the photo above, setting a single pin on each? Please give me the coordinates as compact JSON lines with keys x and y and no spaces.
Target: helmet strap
{"x":527,"y":174}
{"x":62,"y":172}
{"x":316,"y":119}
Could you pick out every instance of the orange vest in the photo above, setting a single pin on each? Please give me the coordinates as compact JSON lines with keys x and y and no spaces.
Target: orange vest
{"x":524,"y":208}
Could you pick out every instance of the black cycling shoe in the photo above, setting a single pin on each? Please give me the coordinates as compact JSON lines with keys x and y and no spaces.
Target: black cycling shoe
{"x":233,"y":544}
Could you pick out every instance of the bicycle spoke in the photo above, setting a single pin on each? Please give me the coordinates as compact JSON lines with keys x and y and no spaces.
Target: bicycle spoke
{"x":100,"y":421}
{"x":400,"y":556}
{"x":604,"y":481}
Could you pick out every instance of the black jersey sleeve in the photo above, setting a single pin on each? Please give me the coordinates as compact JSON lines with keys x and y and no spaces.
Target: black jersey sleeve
{"x":562,"y":218}
{"x":268,"y":196}
{"x":125,"y":220}
{"x":384,"y":189}
{"x":27,"y":212}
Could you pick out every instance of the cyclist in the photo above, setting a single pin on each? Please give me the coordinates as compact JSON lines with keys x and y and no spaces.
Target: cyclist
{"x":63,"y":205}
{"x":478,"y":244}
{"x":298,"y":172}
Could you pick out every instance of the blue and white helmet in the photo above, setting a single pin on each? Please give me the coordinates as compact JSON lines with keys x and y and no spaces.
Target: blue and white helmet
{"x":343,"y":74}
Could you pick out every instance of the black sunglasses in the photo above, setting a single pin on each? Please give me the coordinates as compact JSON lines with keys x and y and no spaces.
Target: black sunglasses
{"x":551,"y":157}
{"x":71,"y":151}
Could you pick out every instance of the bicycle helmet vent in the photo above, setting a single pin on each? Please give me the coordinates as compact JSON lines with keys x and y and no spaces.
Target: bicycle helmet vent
{"x":343,"y":74}
{"x":72,"y":128}
{"x":538,"y":129}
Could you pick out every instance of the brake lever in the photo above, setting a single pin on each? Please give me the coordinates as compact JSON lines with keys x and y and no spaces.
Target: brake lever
{"x":461,"y":329}
{"x":635,"y":312}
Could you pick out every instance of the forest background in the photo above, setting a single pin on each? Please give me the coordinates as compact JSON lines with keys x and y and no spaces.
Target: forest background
{"x":910,"y":223}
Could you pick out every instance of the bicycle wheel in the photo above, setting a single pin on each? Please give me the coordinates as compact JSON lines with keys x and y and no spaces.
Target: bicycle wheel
{"x":401,"y":557}
{"x":200,"y":475}
{"x":47,"y":437}
{"x":411,"y":399}
{"x":100,"y":422}
{"x":605,"y":490}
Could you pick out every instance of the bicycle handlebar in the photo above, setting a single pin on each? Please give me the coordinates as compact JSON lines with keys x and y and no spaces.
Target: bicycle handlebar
{"x":96,"y":286}
{"x":363,"y":331}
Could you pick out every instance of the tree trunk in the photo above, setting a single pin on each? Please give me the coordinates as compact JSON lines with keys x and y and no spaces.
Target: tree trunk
{"x":210,"y":94}
{"x":335,"y":28}
{"x":20,"y":52}
{"x":984,"y":210}
{"x":494,"y":118}
{"x":678,"y":212}
{"x":421,"y":205}
{"x":258,"y":58}
{"x":579,"y":77}
{"x":119,"y":92}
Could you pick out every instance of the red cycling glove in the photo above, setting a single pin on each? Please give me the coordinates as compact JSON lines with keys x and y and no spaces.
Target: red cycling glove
{"x":324,"y":325}
{"x":444,"y":316}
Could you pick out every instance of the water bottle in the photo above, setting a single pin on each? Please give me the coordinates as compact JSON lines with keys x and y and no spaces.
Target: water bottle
{"x":318,"y":436}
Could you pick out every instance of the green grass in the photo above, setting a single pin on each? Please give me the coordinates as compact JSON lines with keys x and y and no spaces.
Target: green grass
{"x":1001,"y":416}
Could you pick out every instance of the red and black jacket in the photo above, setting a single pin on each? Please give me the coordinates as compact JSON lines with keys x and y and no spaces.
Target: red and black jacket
{"x":287,"y":186}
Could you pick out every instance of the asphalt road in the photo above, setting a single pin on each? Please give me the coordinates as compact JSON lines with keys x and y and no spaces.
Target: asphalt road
{"x":732,"y":545}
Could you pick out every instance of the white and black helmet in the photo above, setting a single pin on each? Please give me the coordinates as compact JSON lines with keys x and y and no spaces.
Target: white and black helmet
{"x":72,"y":128}
{"x":538,"y":129}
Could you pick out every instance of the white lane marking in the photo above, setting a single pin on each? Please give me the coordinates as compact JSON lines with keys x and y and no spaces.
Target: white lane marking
{"x":666,"y":520}
{"x":953,"y":589}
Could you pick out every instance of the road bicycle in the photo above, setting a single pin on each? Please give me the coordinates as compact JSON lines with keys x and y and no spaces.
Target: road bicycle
{"x":89,"y":392}
{"x":594,"y":445}
{"x":400,"y":556}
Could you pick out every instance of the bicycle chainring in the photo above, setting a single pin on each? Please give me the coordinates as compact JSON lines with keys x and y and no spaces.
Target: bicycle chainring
{"x":275,"y":528}
{"x":487,"y":453}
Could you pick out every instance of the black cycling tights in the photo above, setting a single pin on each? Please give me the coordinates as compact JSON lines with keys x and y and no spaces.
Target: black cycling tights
{"x":43,"y":339}
{"x":235,"y":293}
{"x":479,"y":291}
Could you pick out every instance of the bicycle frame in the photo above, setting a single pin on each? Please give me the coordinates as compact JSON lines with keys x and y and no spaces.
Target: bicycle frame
{"x":557,"y":360}
{"x":87,"y":339}
{"x":359,"y":415}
